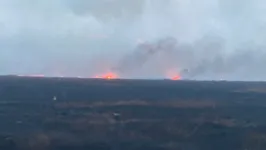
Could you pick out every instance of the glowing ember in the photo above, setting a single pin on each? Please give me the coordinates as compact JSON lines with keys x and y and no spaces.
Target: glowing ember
{"x":107,"y":76}
{"x":110,"y":76}
{"x":173,"y":75}
{"x":177,"y":77}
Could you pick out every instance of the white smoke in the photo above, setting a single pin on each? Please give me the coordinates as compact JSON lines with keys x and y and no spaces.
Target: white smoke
{"x":81,"y":37}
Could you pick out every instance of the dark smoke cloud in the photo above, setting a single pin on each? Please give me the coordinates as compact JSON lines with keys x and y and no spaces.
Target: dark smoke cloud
{"x":212,"y":39}
{"x":203,"y":59}
{"x":143,"y":53}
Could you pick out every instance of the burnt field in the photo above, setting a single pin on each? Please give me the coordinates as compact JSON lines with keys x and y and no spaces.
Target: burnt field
{"x":93,"y":114}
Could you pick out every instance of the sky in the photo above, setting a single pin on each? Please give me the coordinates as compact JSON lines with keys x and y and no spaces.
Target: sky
{"x":87,"y":37}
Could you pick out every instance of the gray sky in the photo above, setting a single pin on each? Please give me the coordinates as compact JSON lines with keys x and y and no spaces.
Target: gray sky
{"x":84,"y":37}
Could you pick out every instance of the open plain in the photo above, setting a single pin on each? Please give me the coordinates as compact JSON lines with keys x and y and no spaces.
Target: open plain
{"x":96,"y":114}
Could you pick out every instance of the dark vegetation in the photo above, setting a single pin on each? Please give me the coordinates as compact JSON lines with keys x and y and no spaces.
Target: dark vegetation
{"x":90,"y":114}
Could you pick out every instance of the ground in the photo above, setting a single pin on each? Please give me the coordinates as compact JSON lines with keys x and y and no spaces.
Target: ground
{"x":94,"y":114}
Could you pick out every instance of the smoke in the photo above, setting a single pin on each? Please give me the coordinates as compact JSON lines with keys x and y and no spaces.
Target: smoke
{"x":205,"y":58}
{"x":209,"y":39}
{"x":143,"y":53}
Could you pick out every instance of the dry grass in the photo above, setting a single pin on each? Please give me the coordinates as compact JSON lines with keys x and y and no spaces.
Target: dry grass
{"x":172,"y":103}
{"x":255,"y":90}
{"x":190,"y":104}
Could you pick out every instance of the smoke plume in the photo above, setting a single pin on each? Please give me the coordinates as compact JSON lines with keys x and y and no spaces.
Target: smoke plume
{"x":209,"y":39}
{"x":142,"y":53}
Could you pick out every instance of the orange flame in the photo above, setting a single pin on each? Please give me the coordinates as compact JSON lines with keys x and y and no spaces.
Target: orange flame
{"x":173,"y":75}
{"x":107,"y":76}
{"x":177,"y":77}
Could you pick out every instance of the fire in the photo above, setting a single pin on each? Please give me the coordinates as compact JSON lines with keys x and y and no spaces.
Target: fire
{"x":173,"y":75}
{"x":110,"y":76}
{"x":177,"y":77}
{"x":107,"y":76}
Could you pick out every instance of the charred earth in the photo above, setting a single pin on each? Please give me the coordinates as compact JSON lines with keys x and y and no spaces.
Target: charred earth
{"x":96,"y":114}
